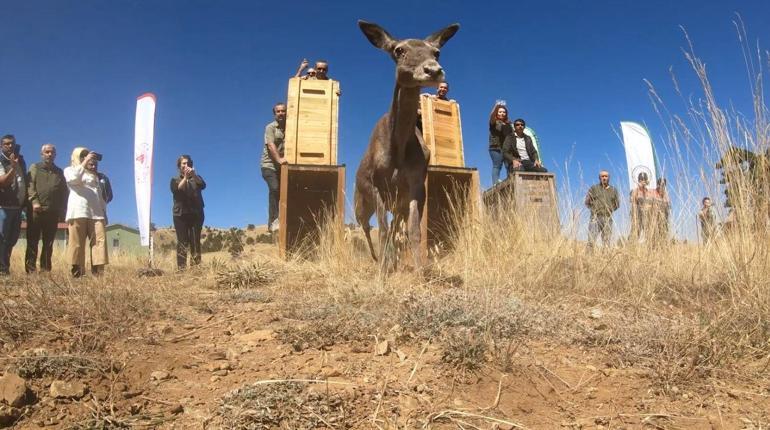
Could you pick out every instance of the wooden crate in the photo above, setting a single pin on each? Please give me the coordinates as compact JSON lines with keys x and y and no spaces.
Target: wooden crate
{"x":531,"y":195}
{"x":309,"y":195}
{"x":449,"y":191}
{"x":442,"y":131}
{"x":311,"y":122}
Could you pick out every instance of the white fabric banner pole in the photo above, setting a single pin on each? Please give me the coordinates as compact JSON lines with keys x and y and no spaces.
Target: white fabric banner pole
{"x":144,"y":134}
{"x":639,"y":154}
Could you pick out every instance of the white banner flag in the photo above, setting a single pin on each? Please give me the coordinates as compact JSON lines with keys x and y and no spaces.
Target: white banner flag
{"x":144,"y":133}
{"x":639,"y":153}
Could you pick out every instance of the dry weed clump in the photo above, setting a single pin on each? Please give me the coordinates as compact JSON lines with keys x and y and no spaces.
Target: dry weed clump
{"x":254,"y":275}
{"x":285,"y":405}
{"x":39,"y":363}
{"x":80,"y":316}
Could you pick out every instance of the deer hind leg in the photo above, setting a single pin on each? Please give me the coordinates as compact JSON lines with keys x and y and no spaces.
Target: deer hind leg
{"x":416,"y":204}
{"x":387,"y":246}
{"x":365,"y":208}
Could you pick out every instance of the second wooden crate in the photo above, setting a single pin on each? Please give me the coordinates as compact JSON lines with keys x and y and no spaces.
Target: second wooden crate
{"x":312,"y":122}
{"x":442,"y":131}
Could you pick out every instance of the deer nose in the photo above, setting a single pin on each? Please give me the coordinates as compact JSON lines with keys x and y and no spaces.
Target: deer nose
{"x":433,"y":70}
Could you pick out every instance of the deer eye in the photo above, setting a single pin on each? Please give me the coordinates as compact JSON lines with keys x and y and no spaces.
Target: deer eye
{"x":437,"y":54}
{"x":399,"y":52}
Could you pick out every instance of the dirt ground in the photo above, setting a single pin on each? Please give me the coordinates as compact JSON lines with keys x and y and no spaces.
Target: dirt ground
{"x":215,"y":361}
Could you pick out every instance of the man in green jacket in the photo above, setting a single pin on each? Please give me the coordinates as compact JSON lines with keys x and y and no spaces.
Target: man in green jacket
{"x":47,"y":192}
{"x":602,"y":200}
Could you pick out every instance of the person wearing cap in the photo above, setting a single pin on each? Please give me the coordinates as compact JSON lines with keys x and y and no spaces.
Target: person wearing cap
{"x":86,"y":213}
{"x":642,"y":201}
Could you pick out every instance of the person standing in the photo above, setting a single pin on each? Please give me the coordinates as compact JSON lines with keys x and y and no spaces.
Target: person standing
{"x":186,"y":189}
{"x":499,"y":130}
{"x":272,"y":159}
{"x":707,"y":221}
{"x":13,"y":195}
{"x":642,"y":206}
{"x":662,"y":211}
{"x":86,"y":213}
{"x":602,"y":200}
{"x":47,"y":192}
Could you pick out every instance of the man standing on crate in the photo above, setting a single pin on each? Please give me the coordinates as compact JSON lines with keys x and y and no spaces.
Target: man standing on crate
{"x":602,"y":200}
{"x":272,"y":159}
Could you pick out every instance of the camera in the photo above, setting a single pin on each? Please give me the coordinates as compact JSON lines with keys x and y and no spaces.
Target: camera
{"x":97,"y":156}
{"x":16,"y":149}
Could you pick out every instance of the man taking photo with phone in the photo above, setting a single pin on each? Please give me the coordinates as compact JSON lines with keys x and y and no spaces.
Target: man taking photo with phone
{"x":13,"y":195}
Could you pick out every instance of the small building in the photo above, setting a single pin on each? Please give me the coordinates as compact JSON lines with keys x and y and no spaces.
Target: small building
{"x":59,"y":241}
{"x":124,"y":240}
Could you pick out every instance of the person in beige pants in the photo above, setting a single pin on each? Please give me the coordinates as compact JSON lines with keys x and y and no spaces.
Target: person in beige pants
{"x":86,"y":213}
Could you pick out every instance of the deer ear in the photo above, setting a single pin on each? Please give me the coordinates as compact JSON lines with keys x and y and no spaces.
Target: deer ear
{"x":377,"y":35}
{"x":440,"y":37}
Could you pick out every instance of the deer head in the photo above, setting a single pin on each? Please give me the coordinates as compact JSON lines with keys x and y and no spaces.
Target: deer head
{"x":416,"y":60}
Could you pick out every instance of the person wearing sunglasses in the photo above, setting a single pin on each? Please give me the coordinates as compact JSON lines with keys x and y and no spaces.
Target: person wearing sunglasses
{"x":519,"y":151}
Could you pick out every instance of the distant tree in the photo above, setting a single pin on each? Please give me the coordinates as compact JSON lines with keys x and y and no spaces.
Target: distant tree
{"x":234,"y":244}
{"x":251,"y":227}
{"x":746,"y":176}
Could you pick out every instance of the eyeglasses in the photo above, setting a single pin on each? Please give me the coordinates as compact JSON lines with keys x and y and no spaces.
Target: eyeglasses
{"x":518,"y":124}
{"x":321,"y":69}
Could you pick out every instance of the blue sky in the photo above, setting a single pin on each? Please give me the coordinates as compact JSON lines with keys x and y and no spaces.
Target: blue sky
{"x":71,"y":72}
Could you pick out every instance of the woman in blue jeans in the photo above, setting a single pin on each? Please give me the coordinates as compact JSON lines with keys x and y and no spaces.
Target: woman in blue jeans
{"x":499,"y":128}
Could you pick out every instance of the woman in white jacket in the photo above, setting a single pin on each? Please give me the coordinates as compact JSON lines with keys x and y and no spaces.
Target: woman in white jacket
{"x":86,"y":213}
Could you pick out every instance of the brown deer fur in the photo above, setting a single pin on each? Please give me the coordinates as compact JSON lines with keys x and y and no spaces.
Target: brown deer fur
{"x":391,"y":176}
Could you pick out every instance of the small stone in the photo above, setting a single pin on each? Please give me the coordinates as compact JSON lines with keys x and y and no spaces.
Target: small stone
{"x":591,"y":368}
{"x":177,"y":409}
{"x":401,"y":355}
{"x":382,"y":348}
{"x":159,"y":375}
{"x":14,"y":390}
{"x":8,"y":415}
{"x":596,"y":313}
{"x":217,"y":355}
{"x":257,"y":336}
{"x":225,"y":366}
{"x":330,"y":372}
{"x":219,"y":372}
{"x":68,"y":390}
{"x":214,"y":378}
{"x":132,"y":394}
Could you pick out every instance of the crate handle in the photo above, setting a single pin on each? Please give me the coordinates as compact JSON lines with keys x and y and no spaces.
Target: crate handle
{"x":312,"y":154}
{"x":313,"y":91}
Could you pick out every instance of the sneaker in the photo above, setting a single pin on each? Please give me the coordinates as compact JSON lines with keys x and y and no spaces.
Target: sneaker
{"x":275,"y":226}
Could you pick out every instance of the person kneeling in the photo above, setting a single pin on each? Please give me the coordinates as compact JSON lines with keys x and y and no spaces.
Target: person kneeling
{"x":519,"y":151}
